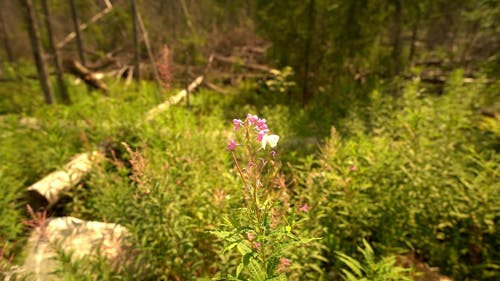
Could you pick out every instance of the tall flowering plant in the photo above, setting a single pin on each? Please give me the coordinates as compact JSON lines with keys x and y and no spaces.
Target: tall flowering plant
{"x":264,"y":227}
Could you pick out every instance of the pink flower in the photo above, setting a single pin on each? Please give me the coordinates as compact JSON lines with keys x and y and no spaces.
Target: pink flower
{"x":261,"y":124}
{"x":256,"y":245}
{"x":261,"y":128}
{"x":232,"y":145}
{"x":252,"y":119}
{"x":237,"y":124}
{"x":261,"y":134}
{"x":284,"y":263}
{"x":354,"y":168}
{"x":305,"y":208}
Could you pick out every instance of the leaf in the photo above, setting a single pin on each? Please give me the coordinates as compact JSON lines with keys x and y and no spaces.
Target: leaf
{"x":239,"y":269}
{"x":272,"y":265}
{"x":367,"y":252}
{"x":256,"y":271}
{"x":221,"y":234}
{"x":349,"y":276}
{"x":230,"y":246}
{"x":281,"y":277}
{"x":353,"y":264}
{"x":243,"y":248}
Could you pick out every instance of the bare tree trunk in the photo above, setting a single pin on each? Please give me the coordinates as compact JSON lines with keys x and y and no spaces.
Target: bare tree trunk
{"x":79,"y":40}
{"x":187,"y":16}
{"x":414,"y":35}
{"x":36,"y":45}
{"x":6,"y":40}
{"x":396,"y":47}
{"x":137,"y":47}
{"x":306,"y":94}
{"x":63,"y":90}
{"x":148,"y":48}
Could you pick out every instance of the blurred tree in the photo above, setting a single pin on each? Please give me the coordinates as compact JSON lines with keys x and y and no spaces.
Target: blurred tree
{"x":76,"y":25}
{"x":36,"y":46}
{"x":5,"y":36}
{"x":377,"y":37}
{"x":63,"y":90}
{"x":137,"y":46}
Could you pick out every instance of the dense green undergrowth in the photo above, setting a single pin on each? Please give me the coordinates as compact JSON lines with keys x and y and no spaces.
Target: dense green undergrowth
{"x":401,"y":167}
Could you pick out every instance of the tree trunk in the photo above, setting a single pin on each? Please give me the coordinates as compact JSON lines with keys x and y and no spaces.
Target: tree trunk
{"x":36,"y":45}
{"x":414,"y":35}
{"x":79,"y":39}
{"x":63,"y":90}
{"x":148,"y":49}
{"x":306,"y":94}
{"x":396,"y":47}
{"x":188,"y":17}
{"x":6,"y":40}
{"x":137,"y":47}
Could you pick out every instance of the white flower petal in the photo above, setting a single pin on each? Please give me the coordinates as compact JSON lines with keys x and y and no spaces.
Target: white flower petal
{"x":272,"y":140}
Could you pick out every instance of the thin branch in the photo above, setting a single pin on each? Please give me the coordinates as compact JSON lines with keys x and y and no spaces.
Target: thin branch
{"x":83,"y":26}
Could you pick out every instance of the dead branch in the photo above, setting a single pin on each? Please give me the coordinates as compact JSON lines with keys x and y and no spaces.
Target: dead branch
{"x":249,"y":65}
{"x":214,"y":87}
{"x":83,"y":26}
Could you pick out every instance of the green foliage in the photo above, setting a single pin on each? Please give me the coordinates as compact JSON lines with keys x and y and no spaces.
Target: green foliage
{"x":371,"y":269}
{"x":414,"y":172}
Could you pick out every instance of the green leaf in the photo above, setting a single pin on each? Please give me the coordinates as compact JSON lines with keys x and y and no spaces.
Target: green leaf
{"x":272,"y":265}
{"x":353,"y":264}
{"x":221,"y":234}
{"x":367,"y":252}
{"x":230,"y":246}
{"x":256,"y":271}
{"x":239,"y":269}
{"x":281,"y":277}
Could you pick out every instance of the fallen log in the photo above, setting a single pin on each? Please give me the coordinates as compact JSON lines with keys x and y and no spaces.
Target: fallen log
{"x":85,"y":74}
{"x":173,"y":100}
{"x":48,"y":190}
{"x":76,"y":238}
{"x":249,"y":65}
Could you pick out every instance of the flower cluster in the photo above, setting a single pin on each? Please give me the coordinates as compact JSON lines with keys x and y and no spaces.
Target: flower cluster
{"x":259,"y":126}
{"x":263,"y":235}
